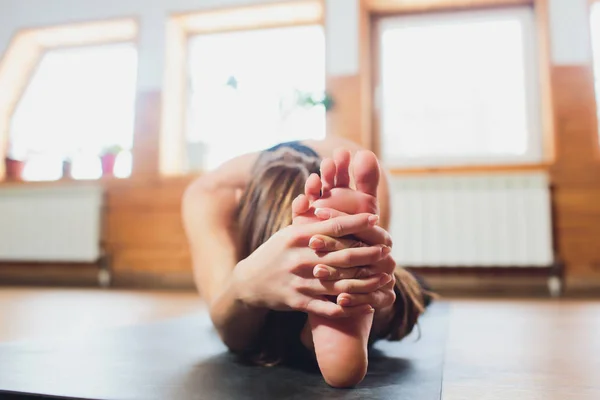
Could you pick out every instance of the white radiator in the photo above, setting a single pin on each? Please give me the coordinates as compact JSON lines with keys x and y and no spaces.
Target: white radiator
{"x":472,"y":220}
{"x":50,"y":223}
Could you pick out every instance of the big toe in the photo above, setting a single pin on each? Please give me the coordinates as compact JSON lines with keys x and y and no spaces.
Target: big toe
{"x":366,"y":172}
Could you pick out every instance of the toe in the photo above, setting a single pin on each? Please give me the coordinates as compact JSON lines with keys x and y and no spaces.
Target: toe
{"x":342,"y":163}
{"x":366,"y":172}
{"x":300,"y":206}
{"x":312,"y":189}
{"x":328,"y":174}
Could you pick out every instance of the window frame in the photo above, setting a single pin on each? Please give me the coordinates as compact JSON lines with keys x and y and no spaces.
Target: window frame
{"x":180,"y":28}
{"x":594,"y":6}
{"x":25,"y":51}
{"x":537,"y":149}
{"x":30,"y":81}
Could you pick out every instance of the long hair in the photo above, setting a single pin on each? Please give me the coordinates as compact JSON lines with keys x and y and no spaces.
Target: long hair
{"x":265,"y":208}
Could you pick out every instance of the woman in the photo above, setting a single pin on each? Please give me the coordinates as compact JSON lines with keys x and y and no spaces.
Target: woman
{"x":325,"y":284}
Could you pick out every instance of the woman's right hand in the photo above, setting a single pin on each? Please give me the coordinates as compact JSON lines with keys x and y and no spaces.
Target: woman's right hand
{"x":279,"y":274}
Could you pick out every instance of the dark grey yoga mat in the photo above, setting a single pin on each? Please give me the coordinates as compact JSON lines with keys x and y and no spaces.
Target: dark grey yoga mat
{"x":184,"y":359}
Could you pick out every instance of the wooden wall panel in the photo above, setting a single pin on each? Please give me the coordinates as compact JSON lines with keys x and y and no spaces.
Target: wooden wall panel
{"x":144,"y":234}
{"x":576,"y":175}
{"x":345,"y":119}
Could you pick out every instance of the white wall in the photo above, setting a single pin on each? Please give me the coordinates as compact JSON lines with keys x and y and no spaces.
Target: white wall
{"x":569,"y":26}
{"x":16,"y":14}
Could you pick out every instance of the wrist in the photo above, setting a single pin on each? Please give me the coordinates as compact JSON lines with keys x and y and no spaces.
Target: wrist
{"x":241,"y":287}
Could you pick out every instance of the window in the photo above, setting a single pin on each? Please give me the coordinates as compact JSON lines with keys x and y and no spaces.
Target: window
{"x":252,"y":89}
{"x":595,"y":26}
{"x":79,"y":101}
{"x":459,"y":89}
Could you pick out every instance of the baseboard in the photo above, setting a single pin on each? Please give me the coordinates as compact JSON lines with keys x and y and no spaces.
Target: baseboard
{"x":31,"y":274}
{"x":487,"y":286}
{"x":153,"y":280}
{"x":588,"y":286}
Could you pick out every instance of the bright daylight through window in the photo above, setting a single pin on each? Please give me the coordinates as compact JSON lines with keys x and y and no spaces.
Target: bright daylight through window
{"x":253,"y":89}
{"x":459,"y":89}
{"x":79,"y":105}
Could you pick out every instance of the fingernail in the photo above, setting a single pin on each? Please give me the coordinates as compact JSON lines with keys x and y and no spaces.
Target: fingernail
{"x":344,"y":301}
{"x":373,"y":219}
{"x":369,"y":310}
{"x":316,"y":243}
{"x":320,"y":272}
{"x":322,"y":214}
{"x":385,"y":250}
{"x":385,"y":280}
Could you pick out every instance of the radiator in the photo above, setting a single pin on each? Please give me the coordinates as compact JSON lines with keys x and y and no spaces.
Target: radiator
{"x":50,"y":223}
{"x":472,"y":220}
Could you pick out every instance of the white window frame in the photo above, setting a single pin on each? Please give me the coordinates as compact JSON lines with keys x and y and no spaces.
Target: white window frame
{"x":526,"y":16}
{"x":595,"y":10}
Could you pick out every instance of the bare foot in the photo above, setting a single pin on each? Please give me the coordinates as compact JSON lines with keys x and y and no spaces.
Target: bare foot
{"x":341,"y":344}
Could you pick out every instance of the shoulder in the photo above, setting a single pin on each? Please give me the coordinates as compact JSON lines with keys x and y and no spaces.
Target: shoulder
{"x":205,"y":196}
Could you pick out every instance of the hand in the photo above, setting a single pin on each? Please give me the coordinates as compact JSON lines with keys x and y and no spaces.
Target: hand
{"x":279,"y":274}
{"x":383,"y":298}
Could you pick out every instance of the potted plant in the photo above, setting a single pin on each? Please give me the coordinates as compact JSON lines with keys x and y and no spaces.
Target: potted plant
{"x":308,"y":100}
{"x":14,"y":163}
{"x":14,"y":168}
{"x":108,"y":158}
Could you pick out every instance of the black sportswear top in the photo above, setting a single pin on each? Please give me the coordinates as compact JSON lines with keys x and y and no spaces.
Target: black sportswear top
{"x":296,"y":145}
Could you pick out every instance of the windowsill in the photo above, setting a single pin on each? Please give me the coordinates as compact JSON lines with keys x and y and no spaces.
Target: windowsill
{"x":472,"y":169}
{"x":106,"y":182}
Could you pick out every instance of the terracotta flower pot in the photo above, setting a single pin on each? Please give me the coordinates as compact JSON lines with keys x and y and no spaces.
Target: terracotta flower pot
{"x":108,"y":164}
{"x":14,"y":169}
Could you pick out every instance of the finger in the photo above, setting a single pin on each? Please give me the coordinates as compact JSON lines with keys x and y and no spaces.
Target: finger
{"x":386,"y":265}
{"x":327,"y":273}
{"x":312,"y":188}
{"x":327,"y":213}
{"x":372,"y":236}
{"x":326,"y":308}
{"x":328,"y":174}
{"x":354,"y":257}
{"x":336,"y":227}
{"x":342,"y":164}
{"x":382,"y":298}
{"x":316,"y":287}
{"x":366,"y":172}
{"x":328,"y":244}
{"x":300,"y":206}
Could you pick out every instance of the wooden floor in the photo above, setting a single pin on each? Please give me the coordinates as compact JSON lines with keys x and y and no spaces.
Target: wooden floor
{"x":496,"y":349}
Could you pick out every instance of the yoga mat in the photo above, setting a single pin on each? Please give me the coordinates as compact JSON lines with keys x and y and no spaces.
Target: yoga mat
{"x":184,"y":359}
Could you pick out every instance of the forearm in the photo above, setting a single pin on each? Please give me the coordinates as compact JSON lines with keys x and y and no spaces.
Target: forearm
{"x":237,"y":323}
